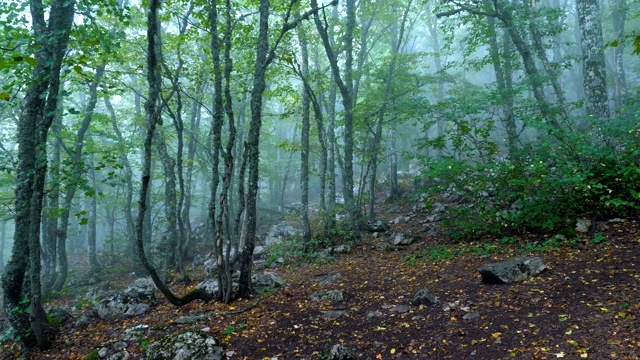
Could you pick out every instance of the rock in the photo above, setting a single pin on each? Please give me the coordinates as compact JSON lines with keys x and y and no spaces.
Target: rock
{"x":137,"y":309}
{"x":259,"y":265}
{"x":471,"y":315}
{"x":342,"y":249}
{"x":331,"y":295}
{"x":329,"y":279}
{"x":142,"y":289}
{"x":424,"y":297}
{"x":268,"y":280}
{"x":511,"y":270}
{"x":341,"y":352}
{"x":102,"y":353}
{"x":210,"y":266}
{"x":122,"y":355}
{"x":59,"y":316}
{"x":375,"y":226}
{"x":583,"y":225}
{"x":403,"y":239}
{"x":400,"y":308}
{"x":374,"y":314}
{"x":111,"y":308}
{"x":120,"y":345}
{"x":392,"y":210}
{"x":188,"y":345}
{"x":258,"y":251}
{"x":135,"y":333}
{"x":400,"y":220}
{"x":209,"y":286}
{"x":332,"y":314}
{"x":384,"y":246}
{"x":278,"y":232}
{"x":191,"y":319}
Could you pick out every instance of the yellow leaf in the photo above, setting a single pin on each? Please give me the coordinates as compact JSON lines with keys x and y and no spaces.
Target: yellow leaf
{"x":584,"y":356}
{"x":496,"y":335}
{"x":393,"y":351}
{"x":604,"y":309}
{"x":573,"y":342}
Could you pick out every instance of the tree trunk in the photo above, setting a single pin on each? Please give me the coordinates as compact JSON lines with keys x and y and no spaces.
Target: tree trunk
{"x":22,"y":273}
{"x":593,"y":66}
{"x":128,"y":175}
{"x":304,"y":140}
{"x":93,"y":215}
{"x":3,"y":233}
{"x":619,"y":10}
{"x":153,"y":113}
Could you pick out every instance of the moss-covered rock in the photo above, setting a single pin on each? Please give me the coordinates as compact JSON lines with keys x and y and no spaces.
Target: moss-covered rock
{"x":191,"y":345}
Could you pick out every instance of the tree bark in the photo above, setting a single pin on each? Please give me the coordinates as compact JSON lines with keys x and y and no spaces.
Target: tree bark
{"x":22,"y":273}
{"x":593,"y":65}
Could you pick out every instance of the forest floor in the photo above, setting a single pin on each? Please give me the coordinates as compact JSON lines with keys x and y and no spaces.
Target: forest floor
{"x":585,"y":305}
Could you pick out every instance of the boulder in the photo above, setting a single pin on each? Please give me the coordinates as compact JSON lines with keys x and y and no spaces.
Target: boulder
{"x":209,"y":286}
{"x":401,"y":238}
{"x":114,"y":306}
{"x":341,"y":352}
{"x":141,"y":289}
{"x":375,"y":226}
{"x":383,"y":246}
{"x":278,"y":232}
{"x":424,"y":297}
{"x":583,"y":225}
{"x":331,"y":295}
{"x":511,"y":270}
{"x":341,"y":249}
{"x":188,"y":345}
{"x":268,"y":280}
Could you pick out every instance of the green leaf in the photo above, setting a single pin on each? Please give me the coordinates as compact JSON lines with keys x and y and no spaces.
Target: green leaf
{"x":4,"y":96}
{"x":229,"y":330}
{"x":84,"y":221}
{"x":78,"y":69}
{"x":31,"y":61}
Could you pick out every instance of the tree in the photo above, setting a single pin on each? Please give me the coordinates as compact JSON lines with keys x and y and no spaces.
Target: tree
{"x":21,"y":279}
{"x":593,"y":67}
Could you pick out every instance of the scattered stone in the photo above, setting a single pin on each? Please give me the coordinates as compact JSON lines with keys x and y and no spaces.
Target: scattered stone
{"x":341,"y":352}
{"x":331,"y":295}
{"x":384,"y":246}
{"x":616,"y":220}
{"x":418,"y":317}
{"x":329,"y":279}
{"x":135,"y":333}
{"x":400,"y":308}
{"x":209,"y":287}
{"x":142,"y":289}
{"x":259,"y":265}
{"x":400,"y":220}
{"x":137,"y":309}
{"x":424,"y":297}
{"x":102,"y":353}
{"x":120,"y":345}
{"x":342,"y":249}
{"x":191,"y":319}
{"x":111,"y":308}
{"x":278,"y":232}
{"x":211,"y":266}
{"x":333,"y":314}
{"x":471,"y":315}
{"x":123,"y":355}
{"x":268,"y":280}
{"x":188,"y":345}
{"x":258,"y":251}
{"x":392,"y":210}
{"x":401,"y":238}
{"x":374,"y":314}
{"x":206,"y":329}
{"x":583,"y":225}
{"x":375,"y":226}
{"x":511,"y":270}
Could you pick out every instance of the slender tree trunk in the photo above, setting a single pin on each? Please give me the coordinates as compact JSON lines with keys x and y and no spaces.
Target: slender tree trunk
{"x":153,"y":112}
{"x":304,"y":140}
{"x":593,"y":64}
{"x":619,"y":10}
{"x":93,"y":219}
{"x":3,"y":234}
{"x":128,"y":177}
{"x":76,"y":179}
